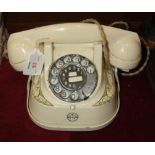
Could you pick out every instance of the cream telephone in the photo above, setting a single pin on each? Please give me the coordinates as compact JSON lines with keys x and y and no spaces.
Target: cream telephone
{"x":73,"y":70}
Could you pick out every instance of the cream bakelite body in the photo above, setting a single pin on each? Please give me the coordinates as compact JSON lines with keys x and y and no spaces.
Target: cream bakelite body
{"x":85,"y":40}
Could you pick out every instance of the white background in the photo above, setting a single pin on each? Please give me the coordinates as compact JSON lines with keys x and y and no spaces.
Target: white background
{"x":78,"y":5}
{"x":77,"y":148}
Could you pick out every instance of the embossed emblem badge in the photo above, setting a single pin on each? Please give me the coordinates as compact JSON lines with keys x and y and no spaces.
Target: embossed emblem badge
{"x":72,"y":117}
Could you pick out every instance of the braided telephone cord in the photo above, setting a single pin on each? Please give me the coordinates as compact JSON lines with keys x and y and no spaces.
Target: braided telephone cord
{"x":108,"y":73}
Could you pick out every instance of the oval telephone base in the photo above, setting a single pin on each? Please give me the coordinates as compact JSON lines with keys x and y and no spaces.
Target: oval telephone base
{"x":89,"y":118}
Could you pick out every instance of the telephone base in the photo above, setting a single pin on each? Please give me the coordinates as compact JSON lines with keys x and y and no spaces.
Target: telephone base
{"x":56,"y":128}
{"x":92,"y":118}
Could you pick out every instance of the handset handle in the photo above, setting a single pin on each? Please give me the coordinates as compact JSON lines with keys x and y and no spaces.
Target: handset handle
{"x":124,"y":46}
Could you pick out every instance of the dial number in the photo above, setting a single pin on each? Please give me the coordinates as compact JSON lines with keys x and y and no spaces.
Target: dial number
{"x":84,"y":62}
{"x":59,"y":64}
{"x":67,"y":59}
{"x":91,"y":69}
{"x":64,"y":94}
{"x":54,"y":71}
{"x":57,"y":89}
{"x":54,"y":81}
{"x":76,"y":59}
{"x":75,"y":95}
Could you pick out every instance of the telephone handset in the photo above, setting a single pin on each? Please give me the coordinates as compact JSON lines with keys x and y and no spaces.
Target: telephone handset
{"x":75,"y":89}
